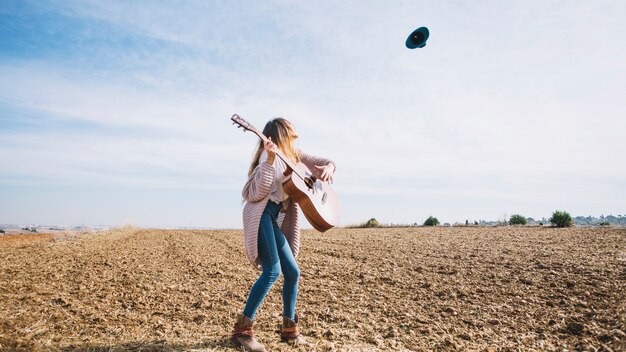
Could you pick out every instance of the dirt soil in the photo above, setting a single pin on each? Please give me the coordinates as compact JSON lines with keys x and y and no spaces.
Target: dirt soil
{"x":482,"y":289}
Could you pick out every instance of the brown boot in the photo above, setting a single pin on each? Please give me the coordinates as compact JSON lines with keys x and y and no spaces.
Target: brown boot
{"x":243,"y":335}
{"x":291,"y":334}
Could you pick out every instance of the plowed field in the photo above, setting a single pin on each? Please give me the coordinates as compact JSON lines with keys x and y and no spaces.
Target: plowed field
{"x":497,"y":289}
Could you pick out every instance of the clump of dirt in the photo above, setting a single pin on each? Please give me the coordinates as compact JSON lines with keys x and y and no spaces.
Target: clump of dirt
{"x":454,"y":288}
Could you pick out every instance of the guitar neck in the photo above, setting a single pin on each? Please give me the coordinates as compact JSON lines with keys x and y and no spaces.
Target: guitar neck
{"x":248,"y":127}
{"x":279,"y":153}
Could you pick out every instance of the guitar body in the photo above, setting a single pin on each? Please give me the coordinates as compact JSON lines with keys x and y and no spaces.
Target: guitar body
{"x":318,"y":201}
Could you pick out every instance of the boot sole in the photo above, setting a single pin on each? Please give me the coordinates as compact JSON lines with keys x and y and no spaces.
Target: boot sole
{"x":239,"y":344}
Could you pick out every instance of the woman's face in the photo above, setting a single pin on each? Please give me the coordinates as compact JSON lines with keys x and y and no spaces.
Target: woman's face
{"x":294,"y":134}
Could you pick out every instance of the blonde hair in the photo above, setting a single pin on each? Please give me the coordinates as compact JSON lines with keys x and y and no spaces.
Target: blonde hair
{"x":283,"y":135}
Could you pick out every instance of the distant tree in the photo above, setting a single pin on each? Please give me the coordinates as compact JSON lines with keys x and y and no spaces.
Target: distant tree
{"x":561,"y":219}
{"x":431,"y":221}
{"x":517,"y":219}
{"x":604,"y":223}
{"x":581,"y":220}
{"x":372,"y":223}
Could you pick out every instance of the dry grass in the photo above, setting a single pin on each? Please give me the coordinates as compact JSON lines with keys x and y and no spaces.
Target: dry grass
{"x":361,"y":289}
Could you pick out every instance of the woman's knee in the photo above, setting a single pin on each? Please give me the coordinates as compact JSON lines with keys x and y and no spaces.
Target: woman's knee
{"x":273,"y":273}
{"x":292,"y":273}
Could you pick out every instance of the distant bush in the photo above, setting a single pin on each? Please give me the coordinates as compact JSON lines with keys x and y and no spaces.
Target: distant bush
{"x":517,"y":219}
{"x":604,"y":223}
{"x":371,"y":223}
{"x":561,"y":219}
{"x":431,"y":221}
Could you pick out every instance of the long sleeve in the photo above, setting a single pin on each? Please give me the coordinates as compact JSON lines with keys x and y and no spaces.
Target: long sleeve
{"x":259,"y":183}
{"x":311,"y":161}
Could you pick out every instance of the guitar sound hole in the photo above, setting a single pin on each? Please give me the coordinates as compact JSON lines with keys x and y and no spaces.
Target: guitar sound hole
{"x":309,"y":182}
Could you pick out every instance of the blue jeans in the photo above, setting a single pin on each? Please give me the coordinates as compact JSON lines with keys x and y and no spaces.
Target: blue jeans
{"x":276,"y":256}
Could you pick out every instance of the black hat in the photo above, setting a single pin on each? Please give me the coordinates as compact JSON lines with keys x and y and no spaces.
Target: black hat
{"x":418,"y":38}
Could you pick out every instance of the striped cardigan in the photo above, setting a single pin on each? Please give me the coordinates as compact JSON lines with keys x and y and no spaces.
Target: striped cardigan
{"x":256,"y":194}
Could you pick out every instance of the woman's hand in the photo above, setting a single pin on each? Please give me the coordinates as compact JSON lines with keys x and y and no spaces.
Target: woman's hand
{"x":270,"y":149}
{"x":327,"y":172}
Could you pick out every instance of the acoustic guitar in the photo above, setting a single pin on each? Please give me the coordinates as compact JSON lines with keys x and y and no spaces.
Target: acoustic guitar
{"x":316,"y":198}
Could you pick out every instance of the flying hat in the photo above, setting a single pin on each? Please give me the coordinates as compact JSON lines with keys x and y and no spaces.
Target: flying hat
{"x":418,"y":38}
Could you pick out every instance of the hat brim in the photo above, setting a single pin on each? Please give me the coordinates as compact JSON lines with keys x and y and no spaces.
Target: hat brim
{"x":423,"y":31}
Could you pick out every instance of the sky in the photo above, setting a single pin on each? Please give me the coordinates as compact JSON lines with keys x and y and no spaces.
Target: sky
{"x":117,"y":112}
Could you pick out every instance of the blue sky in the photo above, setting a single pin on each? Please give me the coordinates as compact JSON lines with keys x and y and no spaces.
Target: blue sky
{"x":115,"y":112}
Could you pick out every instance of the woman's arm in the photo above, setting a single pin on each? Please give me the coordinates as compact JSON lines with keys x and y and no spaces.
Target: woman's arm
{"x":322,"y":168}
{"x":259,"y":183}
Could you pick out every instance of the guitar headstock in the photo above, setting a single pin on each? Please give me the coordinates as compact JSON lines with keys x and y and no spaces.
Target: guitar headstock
{"x":247,"y":126}
{"x":238,"y":120}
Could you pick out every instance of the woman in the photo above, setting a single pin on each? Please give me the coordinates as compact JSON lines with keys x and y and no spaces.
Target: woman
{"x":271,"y":232}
